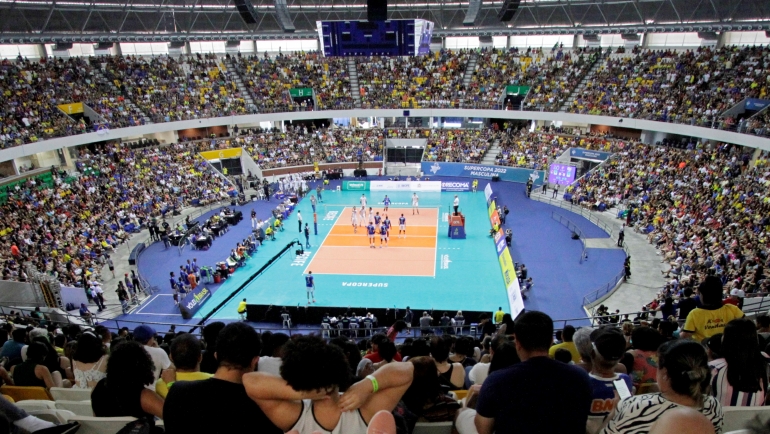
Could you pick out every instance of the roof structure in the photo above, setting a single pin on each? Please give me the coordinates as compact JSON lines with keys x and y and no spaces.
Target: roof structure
{"x":36,"y":21}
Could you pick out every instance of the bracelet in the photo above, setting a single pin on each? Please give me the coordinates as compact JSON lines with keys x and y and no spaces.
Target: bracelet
{"x":169,"y":384}
{"x":375,"y":385}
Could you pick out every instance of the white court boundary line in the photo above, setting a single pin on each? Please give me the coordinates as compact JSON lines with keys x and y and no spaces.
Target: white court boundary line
{"x":320,"y":246}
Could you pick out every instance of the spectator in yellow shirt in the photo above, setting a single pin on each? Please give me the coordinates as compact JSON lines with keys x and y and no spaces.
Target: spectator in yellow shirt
{"x":186,"y":354}
{"x":567,"y":334}
{"x":710,"y":319}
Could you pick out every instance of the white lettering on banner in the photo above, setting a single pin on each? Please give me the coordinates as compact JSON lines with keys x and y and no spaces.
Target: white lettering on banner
{"x":366,"y":284}
{"x":405,"y":186}
{"x":300,"y":260}
{"x":481,"y":169}
{"x":331,"y":215}
{"x":445,"y":262}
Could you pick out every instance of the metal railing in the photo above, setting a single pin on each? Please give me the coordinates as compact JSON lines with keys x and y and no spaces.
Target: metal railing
{"x":604,"y":291}
{"x":564,"y":221}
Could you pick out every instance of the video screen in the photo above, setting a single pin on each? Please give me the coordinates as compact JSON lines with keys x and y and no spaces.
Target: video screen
{"x":561,"y":174}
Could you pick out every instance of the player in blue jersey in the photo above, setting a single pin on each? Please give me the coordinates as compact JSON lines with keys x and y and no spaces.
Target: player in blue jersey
{"x":310,"y":287}
{"x":377,"y":218}
{"x":402,"y":226}
{"x":370,"y":230}
{"x":386,"y":202}
{"x":387,"y":223}
{"x":383,"y":235}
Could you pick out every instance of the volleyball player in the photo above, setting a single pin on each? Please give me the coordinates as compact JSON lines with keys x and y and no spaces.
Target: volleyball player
{"x":415,"y":204}
{"x":377,"y":219}
{"x":402,"y":226}
{"x":371,"y":214}
{"x":354,"y":220}
{"x":370,"y":230}
{"x":386,"y":221}
{"x":363,"y":201}
{"x":310,"y":286}
{"x":386,"y":202}
{"x":363,"y":216}
{"x":383,"y":234}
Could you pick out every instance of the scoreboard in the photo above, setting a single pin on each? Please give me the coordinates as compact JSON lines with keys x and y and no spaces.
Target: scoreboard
{"x":379,"y":38}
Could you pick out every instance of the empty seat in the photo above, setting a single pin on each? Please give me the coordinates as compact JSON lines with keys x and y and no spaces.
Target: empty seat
{"x":100,"y":425}
{"x":35,"y":404}
{"x":80,"y":408}
{"x":59,"y":417}
{"x":64,"y":394}
{"x":22,"y":393}
{"x":433,"y":428}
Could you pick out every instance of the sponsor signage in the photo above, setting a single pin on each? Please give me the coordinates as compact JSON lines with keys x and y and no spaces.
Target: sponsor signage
{"x":222,"y":154}
{"x":193,"y":301}
{"x":506,"y":265}
{"x":72,"y":108}
{"x":455,"y":185}
{"x":756,"y":104}
{"x":301,"y":92}
{"x":405,"y":185}
{"x":587,"y":154}
{"x":355,"y":185}
{"x":488,"y":192}
{"x":511,"y":174}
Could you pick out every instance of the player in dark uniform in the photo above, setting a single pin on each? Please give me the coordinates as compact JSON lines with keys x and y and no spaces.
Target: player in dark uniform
{"x":383,"y":235}
{"x":402,"y":226}
{"x":377,"y":218}
{"x":387,"y":223}
{"x":370,"y":230}
{"x":386,"y":202}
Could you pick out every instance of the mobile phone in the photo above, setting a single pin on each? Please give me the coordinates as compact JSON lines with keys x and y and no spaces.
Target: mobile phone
{"x":622,"y":388}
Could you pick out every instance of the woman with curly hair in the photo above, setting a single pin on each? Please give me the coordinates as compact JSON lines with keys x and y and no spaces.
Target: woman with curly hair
{"x":307,"y":396}
{"x":122,"y":392}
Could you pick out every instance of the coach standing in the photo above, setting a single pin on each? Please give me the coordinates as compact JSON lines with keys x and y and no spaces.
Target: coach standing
{"x":456,"y":203}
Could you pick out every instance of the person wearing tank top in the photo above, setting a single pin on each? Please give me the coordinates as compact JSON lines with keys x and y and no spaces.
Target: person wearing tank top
{"x":306,"y":397}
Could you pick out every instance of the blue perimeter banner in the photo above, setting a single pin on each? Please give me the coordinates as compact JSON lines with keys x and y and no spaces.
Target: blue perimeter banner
{"x":756,"y":104}
{"x":510,"y":174}
{"x":193,"y":301}
{"x":589,"y":154}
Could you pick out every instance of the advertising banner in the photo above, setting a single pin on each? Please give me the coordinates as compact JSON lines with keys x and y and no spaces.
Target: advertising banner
{"x":511,"y":283}
{"x":405,"y":186}
{"x":355,"y":185}
{"x":193,"y":301}
{"x":488,"y":191}
{"x":587,"y":154}
{"x":511,"y":174}
{"x":491,"y":208}
{"x":222,"y":153}
{"x":72,"y":108}
{"x":456,"y":185}
{"x":756,"y":104}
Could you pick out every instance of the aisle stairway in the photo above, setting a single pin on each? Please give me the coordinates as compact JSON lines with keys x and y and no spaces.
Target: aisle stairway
{"x":354,"y":87}
{"x":242,"y":88}
{"x":598,"y":63}
{"x":491,"y":154}
{"x":470,"y":68}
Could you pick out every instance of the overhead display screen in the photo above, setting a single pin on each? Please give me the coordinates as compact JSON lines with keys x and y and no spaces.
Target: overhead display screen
{"x":379,"y":38}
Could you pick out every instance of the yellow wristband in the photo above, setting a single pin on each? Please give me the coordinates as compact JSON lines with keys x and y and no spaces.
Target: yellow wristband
{"x":375,"y":385}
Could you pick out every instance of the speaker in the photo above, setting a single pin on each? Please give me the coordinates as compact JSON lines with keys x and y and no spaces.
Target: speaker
{"x":376,"y":10}
{"x":247,"y":11}
{"x":508,"y":10}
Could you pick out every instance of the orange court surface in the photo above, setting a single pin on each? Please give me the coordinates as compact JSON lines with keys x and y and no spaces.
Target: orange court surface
{"x":345,"y":252}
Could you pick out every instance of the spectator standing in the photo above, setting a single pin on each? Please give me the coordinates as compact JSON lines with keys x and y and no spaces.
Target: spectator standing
{"x":237,"y":350}
{"x":683,"y":378}
{"x":522,"y":397}
{"x":642,"y":360}
{"x":425,"y":322}
{"x":711,"y":318}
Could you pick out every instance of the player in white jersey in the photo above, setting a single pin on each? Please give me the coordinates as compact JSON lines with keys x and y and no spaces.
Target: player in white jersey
{"x":363,"y":216}
{"x":354,"y":220}
{"x":415,"y":203}
{"x":363,"y":201}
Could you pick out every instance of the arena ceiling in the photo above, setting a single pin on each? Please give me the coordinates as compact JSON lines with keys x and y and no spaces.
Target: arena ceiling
{"x":35,"y":21}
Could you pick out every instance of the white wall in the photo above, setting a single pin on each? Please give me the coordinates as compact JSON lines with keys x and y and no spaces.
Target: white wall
{"x":637,"y":124}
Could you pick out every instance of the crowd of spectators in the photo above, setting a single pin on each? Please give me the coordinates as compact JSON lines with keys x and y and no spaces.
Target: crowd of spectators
{"x":169,"y":89}
{"x":688,"y":86}
{"x":459,"y":146}
{"x":299,"y":145}
{"x":270,"y":78}
{"x":552,"y":75}
{"x":69,"y":228}
{"x":511,"y":375}
{"x":431,"y":80}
